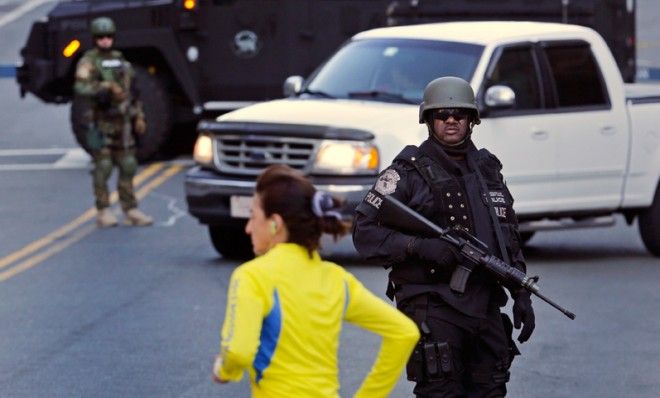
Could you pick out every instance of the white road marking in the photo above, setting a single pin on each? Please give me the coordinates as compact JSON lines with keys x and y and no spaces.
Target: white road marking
{"x":35,"y":152}
{"x":175,"y":211}
{"x":71,"y":158}
{"x":21,"y":10}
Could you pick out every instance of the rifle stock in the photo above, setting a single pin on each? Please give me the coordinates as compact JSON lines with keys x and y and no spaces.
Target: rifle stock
{"x":396,"y":214}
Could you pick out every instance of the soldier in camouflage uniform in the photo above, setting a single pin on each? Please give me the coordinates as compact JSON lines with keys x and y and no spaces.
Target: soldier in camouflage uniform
{"x":105,"y":78}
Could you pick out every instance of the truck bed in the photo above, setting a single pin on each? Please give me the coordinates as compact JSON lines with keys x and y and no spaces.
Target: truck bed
{"x":647,"y":91}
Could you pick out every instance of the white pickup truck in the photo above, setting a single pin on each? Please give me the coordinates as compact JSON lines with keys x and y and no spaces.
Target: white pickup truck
{"x":578,"y":145}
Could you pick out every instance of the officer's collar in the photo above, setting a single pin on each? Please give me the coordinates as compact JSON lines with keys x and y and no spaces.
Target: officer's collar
{"x":432,"y":148}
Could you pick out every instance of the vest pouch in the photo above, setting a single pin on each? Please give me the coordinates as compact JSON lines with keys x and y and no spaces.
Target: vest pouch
{"x":438,"y":364}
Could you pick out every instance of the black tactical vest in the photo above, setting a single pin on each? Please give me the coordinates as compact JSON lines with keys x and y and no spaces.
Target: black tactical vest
{"x":453,"y":208}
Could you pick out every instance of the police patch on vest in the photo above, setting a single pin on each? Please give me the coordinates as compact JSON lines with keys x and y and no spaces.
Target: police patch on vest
{"x":386,"y":183}
{"x":111,"y":63}
{"x":497,"y":197}
{"x":498,"y":200}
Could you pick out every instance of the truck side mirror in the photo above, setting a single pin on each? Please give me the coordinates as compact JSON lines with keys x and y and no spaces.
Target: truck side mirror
{"x":292,"y":85}
{"x":500,"y":97}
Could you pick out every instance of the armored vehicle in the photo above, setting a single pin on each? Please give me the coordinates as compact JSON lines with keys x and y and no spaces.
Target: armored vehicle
{"x":192,"y":57}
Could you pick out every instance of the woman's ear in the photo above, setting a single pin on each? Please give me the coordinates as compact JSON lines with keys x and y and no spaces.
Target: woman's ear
{"x":276,"y":224}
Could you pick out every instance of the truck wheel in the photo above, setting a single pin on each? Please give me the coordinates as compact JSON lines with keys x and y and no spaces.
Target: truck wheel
{"x":79,"y":123}
{"x":649,"y":225}
{"x":157,"y":106}
{"x":231,"y":242}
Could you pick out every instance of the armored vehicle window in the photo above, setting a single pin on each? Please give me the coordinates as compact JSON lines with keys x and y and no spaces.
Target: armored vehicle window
{"x":576,"y":75}
{"x":393,"y":70}
{"x":516,"y":68}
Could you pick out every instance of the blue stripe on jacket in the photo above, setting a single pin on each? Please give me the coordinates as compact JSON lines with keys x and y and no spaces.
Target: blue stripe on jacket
{"x":270,"y":333}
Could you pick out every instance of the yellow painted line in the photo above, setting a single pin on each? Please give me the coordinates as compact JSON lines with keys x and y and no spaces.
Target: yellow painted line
{"x":83,"y":218}
{"x":166,"y":175}
{"x":86,"y":230}
{"x":54,"y":249}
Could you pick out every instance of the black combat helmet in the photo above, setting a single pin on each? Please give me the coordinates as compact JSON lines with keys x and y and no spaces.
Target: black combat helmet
{"x":448,"y":92}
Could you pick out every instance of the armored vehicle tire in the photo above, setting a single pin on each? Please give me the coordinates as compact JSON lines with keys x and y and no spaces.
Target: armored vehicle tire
{"x":157,"y":105}
{"x":231,"y":242}
{"x":79,"y":125}
{"x":649,"y":225}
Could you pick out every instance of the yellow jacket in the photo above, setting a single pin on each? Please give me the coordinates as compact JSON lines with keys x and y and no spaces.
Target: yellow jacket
{"x":282,"y":324}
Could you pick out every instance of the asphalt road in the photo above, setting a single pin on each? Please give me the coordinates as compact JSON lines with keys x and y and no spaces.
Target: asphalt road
{"x":135,"y":312}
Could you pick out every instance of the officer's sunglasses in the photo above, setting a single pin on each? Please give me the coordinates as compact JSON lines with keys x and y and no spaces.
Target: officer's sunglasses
{"x":457,"y":114}
{"x":104,"y":37}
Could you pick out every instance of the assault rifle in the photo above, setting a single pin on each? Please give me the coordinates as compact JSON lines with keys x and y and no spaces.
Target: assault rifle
{"x":396,"y":214}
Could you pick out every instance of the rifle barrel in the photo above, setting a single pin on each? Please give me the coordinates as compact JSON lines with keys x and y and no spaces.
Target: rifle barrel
{"x":552,"y":303}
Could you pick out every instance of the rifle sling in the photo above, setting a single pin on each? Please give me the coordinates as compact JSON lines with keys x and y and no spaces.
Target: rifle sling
{"x":491,"y":210}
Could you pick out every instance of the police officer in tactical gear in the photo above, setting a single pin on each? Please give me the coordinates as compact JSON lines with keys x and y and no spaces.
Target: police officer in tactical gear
{"x":105,"y":78}
{"x":466,"y":347}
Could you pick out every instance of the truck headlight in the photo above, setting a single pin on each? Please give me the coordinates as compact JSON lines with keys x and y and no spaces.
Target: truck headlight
{"x":203,"y":152}
{"x":346,"y":157}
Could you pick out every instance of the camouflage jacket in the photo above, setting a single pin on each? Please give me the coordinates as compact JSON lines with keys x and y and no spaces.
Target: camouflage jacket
{"x":110,"y":116}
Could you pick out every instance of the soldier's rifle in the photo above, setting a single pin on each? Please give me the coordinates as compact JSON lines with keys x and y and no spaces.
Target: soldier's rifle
{"x":396,"y":214}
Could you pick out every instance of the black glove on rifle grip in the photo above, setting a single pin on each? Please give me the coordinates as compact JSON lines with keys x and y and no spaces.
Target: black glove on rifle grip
{"x":437,"y":251}
{"x":523,"y":313}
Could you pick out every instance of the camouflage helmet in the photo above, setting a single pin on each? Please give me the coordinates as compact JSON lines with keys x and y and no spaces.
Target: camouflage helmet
{"x":448,"y":92}
{"x":102,"y":26}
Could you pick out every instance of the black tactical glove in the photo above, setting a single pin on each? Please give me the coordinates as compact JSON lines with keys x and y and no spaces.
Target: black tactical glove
{"x":523,"y":312}
{"x":437,"y":251}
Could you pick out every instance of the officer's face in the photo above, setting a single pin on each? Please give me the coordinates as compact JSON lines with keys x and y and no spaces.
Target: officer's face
{"x":450,"y":126}
{"x":104,"y":42}
{"x":259,"y":228}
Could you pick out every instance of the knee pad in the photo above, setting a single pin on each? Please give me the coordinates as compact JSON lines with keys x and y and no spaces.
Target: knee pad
{"x":127,"y":166}
{"x":103,"y":168}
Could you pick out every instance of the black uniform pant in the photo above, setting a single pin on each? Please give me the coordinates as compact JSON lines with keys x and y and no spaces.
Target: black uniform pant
{"x":458,"y":355}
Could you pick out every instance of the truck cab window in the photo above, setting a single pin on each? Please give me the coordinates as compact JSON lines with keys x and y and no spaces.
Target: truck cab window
{"x":576,"y":76}
{"x":516,"y":69}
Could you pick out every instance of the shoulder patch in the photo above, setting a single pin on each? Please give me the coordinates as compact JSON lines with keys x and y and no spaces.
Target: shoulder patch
{"x":84,"y":69}
{"x":386,"y":183}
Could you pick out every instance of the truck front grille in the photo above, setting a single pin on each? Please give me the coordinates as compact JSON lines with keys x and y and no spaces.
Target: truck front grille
{"x":250,"y":154}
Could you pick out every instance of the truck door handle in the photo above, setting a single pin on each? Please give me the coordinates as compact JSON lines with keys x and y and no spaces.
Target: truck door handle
{"x":540,"y":135}
{"x":608,"y":130}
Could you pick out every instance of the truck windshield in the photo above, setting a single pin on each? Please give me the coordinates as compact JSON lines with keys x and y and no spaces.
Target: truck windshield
{"x":392,"y":70}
